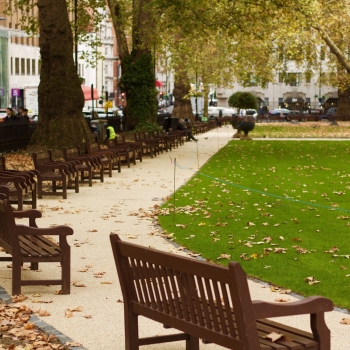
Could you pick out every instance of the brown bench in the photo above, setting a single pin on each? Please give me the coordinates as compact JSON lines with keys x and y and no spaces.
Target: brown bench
{"x":207,"y":301}
{"x":147,"y":145}
{"x":110,"y":159}
{"x":30,"y":244}
{"x":86,"y":164}
{"x":18,"y":184}
{"x":125,"y":150}
{"x":53,"y":171}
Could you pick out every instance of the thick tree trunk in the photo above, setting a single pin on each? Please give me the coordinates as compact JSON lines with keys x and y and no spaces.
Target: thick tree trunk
{"x":182,"y":106}
{"x":138,"y":80}
{"x":343,"y":102}
{"x":61,"y":100}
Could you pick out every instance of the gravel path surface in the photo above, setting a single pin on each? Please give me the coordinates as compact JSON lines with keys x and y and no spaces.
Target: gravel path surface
{"x":118,"y":205}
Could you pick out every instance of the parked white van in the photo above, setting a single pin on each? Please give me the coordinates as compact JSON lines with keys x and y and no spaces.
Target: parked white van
{"x":220,"y":111}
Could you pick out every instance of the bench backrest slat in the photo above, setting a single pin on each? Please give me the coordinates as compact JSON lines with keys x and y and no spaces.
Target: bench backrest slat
{"x":195,"y":292}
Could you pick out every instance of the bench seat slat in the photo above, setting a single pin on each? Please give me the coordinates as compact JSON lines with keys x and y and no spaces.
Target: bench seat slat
{"x":38,"y":246}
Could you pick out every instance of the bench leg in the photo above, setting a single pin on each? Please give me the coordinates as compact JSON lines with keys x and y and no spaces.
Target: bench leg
{"x":131,"y":331}
{"x":34,"y":266}
{"x":40,"y":189}
{"x":65,"y":265}
{"x":34,"y":198}
{"x":20,"y":200}
{"x":16,"y":277}
{"x":102,"y":174}
{"x":192,"y":343}
{"x":320,"y":331}
{"x":90,"y":177}
{"x":76,"y":183}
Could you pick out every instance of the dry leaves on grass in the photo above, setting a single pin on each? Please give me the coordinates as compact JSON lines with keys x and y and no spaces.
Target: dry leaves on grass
{"x":311,"y":280}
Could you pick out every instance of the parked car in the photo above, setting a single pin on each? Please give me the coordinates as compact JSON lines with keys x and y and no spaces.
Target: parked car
{"x":295,"y":112}
{"x":279,"y":111}
{"x":2,"y":115}
{"x":251,"y":113}
{"x":330,"y":114}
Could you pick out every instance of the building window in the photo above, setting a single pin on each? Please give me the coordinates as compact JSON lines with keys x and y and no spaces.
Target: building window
{"x":16,"y":65}
{"x":11,"y":65}
{"x":106,"y":51}
{"x":308,"y":76}
{"x":266,"y":102}
{"x":28,"y":66}
{"x":106,"y":69}
{"x":294,"y":79}
{"x":39,"y":67}
{"x":33,"y":66}
{"x":23,"y":66}
{"x":280,"y":77}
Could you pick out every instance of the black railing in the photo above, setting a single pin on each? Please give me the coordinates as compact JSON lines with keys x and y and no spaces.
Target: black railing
{"x":15,"y":136}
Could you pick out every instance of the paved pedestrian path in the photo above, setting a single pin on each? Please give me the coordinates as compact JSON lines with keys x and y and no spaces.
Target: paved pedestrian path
{"x":120,"y":205}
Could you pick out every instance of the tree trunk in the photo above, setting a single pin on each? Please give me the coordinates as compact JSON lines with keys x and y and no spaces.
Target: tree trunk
{"x":182,"y":106}
{"x":343,"y":102}
{"x":61,"y":100}
{"x":137,"y":80}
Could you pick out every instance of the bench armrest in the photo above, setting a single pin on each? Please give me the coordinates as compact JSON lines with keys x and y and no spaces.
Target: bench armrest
{"x":30,"y":213}
{"x":51,"y":231}
{"x":311,"y":305}
{"x":12,"y":178}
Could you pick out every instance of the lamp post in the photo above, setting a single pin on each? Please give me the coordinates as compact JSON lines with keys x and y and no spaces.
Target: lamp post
{"x":76,"y":34}
{"x":196,"y":99}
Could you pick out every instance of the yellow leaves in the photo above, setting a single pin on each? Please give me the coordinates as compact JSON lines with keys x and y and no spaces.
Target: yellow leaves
{"x":69,"y":312}
{"x":274,"y":336}
{"x":332,"y":250}
{"x":311,"y":280}
{"x":224,"y":256}
{"x":345,"y":321}
{"x":78,"y":284}
{"x":42,"y":313}
{"x":202,"y":224}
{"x":18,"y":298}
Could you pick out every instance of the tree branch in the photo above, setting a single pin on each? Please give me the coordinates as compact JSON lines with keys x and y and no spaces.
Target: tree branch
{"x":333,"y":47}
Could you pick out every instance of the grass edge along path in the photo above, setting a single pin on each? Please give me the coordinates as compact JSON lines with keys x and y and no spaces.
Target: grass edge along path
{"x":280,"y":208}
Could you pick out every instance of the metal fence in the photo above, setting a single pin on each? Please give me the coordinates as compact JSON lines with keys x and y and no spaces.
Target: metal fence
{"x":15,"y":136}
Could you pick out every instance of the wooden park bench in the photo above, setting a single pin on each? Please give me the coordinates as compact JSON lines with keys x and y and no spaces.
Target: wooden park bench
{"x":207,"y":301}
{"x":29,"y":244}
{"x":86,"y":164}
{"x":126,"y":151}
{"x":109,"y":158}
{"x":147,"y":145}
{"x":54,"y":172}
{"x":19,"y":184}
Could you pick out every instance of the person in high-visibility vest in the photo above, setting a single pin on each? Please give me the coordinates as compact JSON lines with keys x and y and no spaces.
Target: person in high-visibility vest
{"x":110,"y":133}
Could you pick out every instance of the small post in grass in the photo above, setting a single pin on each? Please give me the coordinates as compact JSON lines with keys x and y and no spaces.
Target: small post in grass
{"x":174,"y":189}
{"x":197,"y":159}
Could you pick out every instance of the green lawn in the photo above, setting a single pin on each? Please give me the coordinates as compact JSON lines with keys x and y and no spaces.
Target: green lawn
{"x":301,"y":130}
{"x":280,"y":208}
